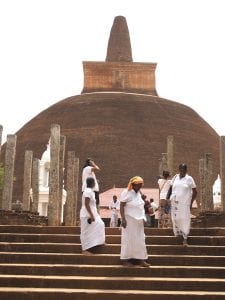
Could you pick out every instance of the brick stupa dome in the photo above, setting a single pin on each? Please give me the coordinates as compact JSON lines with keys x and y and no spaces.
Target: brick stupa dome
{"x":121,"y":122}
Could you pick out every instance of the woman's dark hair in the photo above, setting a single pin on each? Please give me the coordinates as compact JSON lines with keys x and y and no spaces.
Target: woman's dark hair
{"x":166,"y":173}
{"x":90,"y":181}
{"x":183,"y":167}
{"x":87,"y":162}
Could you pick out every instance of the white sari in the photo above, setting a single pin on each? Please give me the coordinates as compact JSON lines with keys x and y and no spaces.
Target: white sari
{"x":133,"y":236}
{"x":91,"y":234}
{"x":180,"y":204}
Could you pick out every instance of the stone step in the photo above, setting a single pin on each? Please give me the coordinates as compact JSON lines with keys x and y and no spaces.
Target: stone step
{"x":109,"y":259}
{"x":115,"y":270}
{"x":110,"y":239}
{"x":46,"y":263}
{"x":101,"y":294}
{"x":110,"y":248}
{"x":122,"y":283}
{"x":214,"y":231}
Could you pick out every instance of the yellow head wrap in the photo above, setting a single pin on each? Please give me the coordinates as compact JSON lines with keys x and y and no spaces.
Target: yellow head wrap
{"x":135,"y":180}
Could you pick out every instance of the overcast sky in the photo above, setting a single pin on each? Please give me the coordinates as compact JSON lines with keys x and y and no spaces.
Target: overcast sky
{"x":43,"y":44}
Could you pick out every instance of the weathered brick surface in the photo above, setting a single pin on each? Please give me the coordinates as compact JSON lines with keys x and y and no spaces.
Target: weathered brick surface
{"x":119,"y":77}
{"x":124,"y":133}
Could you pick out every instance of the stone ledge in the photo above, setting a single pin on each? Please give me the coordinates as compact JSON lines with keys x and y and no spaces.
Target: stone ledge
{"x":12,"y":217}
{"x":209,"y":219}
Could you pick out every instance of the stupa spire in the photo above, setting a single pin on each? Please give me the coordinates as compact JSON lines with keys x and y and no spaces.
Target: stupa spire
{"x":119,"y":46}
{"x":119,"y":73}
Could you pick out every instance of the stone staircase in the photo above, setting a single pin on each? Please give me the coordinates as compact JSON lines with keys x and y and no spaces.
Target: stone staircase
{"x":40,"y":262}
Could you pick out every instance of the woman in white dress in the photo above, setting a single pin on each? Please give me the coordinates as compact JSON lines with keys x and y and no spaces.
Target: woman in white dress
{"x":182,"y":196}
{"x":133,"y":247}
{"x":92,"y":226}
{"x":89,"y":169}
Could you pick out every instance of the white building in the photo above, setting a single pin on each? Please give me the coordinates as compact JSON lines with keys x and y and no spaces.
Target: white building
{"x":217,"y":193}
{"x":44,"y":167}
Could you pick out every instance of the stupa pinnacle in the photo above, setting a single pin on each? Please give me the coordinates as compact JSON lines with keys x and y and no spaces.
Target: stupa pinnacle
{"x":119,"y":47}
{"x":119,"y":73}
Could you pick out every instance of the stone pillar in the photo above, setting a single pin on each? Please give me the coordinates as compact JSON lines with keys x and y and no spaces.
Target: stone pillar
{"x":35,"y":185}
{"x":53,"y":204}
{"x":9,"y":172}
{"x":1,"y":129}
{"x":61,"y":173}
{"x":77,"y":206}
{"x":222,"y":171}
{"x":170,"y":154}
{"x":27,"y":180}
{"x":71,"y":215}
{"x":206,"y":183}
{"x":69,"y":212}
{"x":201,"y":188}
{"x":163,"y":163}
{"x":209,"y":182}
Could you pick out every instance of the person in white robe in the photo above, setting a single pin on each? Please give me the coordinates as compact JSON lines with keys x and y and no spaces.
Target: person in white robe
{"x":92,"y":227}
{"x":164,"y":216}
{"x":182,"y":196}
{"x":114,"y":206}
{"x":89,"y":169}
{"x":133,"y":247}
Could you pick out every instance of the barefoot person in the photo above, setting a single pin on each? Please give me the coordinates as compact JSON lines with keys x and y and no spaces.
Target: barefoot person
{"x":89,"y":170}
{"x":164,"y":216}
{"x":114,"y":206}
{"x":183,"y":194}
{"x":92,"y":226}
{"x":132,"y":213}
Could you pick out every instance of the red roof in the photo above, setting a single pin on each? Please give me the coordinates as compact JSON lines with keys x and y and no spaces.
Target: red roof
{"x":106,"y":198}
